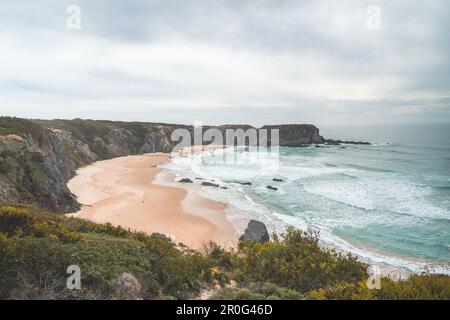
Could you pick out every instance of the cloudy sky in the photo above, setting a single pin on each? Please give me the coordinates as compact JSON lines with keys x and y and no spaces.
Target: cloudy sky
{"x":322,"y":62}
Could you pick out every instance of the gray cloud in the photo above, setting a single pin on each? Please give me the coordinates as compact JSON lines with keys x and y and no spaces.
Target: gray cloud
{"x":227,"y":61}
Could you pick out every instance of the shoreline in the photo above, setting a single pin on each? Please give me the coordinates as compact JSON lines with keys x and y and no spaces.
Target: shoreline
{"x":392,"y":266}
{"x":180,"y":207}
{"x":123,"y":191}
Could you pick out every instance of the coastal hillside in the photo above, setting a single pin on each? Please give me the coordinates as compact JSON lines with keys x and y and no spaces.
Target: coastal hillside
{"x":38,"y":157}
{"x":36,"y":247}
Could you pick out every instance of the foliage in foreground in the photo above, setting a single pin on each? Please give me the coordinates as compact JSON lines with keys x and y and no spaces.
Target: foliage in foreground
{"x":37,"y":247}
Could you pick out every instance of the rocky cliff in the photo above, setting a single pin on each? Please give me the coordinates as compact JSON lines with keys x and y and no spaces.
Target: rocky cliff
{"x":38,"y":157}
{"x":296,"y":135}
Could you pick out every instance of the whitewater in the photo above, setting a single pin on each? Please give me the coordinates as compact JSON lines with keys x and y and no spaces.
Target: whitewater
{"x":388,"y":203}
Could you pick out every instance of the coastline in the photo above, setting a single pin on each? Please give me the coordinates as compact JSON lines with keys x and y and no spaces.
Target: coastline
{"x":111,"y":191}
{"x":389,"y":265}
{"x":123,"y":191}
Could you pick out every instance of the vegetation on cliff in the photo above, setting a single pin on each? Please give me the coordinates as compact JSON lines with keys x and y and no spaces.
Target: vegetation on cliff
{"x":36,"y":247}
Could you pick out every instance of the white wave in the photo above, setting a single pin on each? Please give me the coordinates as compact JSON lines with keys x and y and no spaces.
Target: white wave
{"x":365,"y":254}
{"x":350,"y":193}
{"x":368,"y":190}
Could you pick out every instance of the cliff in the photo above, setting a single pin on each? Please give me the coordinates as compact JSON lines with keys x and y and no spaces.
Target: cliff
{"x":295,"y":135}
{"x":38,"y":157}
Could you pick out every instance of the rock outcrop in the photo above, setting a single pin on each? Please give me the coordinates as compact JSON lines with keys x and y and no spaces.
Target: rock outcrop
{"x":255,"y":231}
{"x":245,"y":183}
{"x":128,"y":287}
{"x":160,"y":236}
{"x":185,"y":180}
{"x":35,"y":167}
{"x":297,"y":135}
{"x":339,"y":142}
{"x":209,"y":184}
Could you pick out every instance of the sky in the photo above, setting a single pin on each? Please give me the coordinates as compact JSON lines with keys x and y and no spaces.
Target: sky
{"x":347,"y":62}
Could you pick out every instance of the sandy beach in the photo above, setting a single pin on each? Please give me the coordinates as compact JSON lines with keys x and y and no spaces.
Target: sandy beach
{"x":122,"y":191}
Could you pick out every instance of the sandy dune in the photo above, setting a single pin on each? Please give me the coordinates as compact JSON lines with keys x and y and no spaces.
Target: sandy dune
{"x":120,"y":191}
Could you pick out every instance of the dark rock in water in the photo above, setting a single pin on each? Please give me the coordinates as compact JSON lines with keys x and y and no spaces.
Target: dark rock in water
{"x":339,"y":142}
{"x":245,"y":183}
{"x":160,"y":236}
{"x":271,"y":188}
{"x":277,"y":179}
{"x":199,"y":178}
{"x":209,"y":184}
{"x":186,"y":180}
{"x":255,"y":231}
{"x":223,"y":187}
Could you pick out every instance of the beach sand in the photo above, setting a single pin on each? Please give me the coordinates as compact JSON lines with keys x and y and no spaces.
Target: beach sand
{"x":122,"y":191}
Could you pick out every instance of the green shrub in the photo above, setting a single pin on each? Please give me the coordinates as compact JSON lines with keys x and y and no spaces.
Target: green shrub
{"x":417,"y":287}
{"x":35,"y":243}
{"x":344,"y":291}
{"x":14,"y":219}
{"x":297,"y":262}
{"x":36,"y":247}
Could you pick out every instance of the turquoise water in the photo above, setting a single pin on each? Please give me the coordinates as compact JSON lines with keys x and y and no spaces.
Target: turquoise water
{"x":389,"y":201}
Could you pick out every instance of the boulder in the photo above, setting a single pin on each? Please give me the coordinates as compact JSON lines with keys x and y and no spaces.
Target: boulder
{"x":339,"y":142}
{"x":209,"y":184}
{"x":160,"y":236}
{"x":185,"y":180}
{"x":128,"y":287}
{"x":255,"y":231}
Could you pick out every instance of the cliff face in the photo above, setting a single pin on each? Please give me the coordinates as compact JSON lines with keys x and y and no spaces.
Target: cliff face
{"x":35,"y":167}
{"x":295,"y":135}
{"x":37,"y":158}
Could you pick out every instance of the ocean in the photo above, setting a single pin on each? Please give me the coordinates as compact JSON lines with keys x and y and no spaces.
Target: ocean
{"x":387,"y":203}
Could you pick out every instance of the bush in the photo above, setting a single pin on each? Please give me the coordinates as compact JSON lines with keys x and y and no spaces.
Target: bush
{"x":36,"y":247}
{"x":257,"y":291}
{"x":343,"y":291}
{"x":417,"y":287}
{"x":297,"y":262}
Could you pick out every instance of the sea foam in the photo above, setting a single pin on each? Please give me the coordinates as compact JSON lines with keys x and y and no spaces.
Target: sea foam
{"x":322,"y":189}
